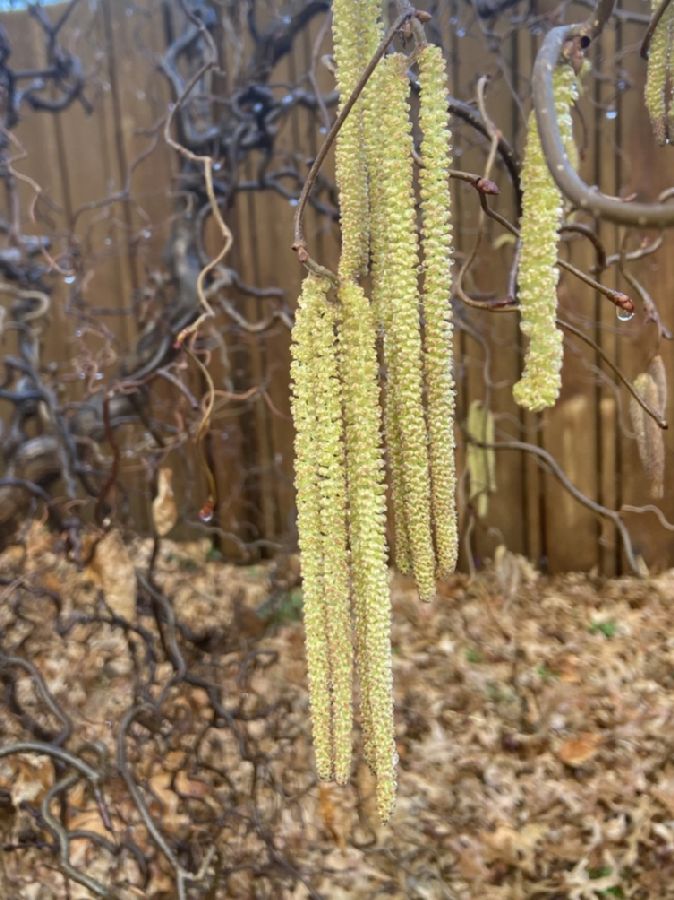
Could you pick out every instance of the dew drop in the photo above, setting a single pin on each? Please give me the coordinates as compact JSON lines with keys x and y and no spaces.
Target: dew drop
{"x":294,"y":201}
{"x":624,"y":314}
{"x":69,"y":279}
{"x":611,"y":114}
{"x":107,"y":241}
{"x":146,"y":233}
{"x":78,"y":333}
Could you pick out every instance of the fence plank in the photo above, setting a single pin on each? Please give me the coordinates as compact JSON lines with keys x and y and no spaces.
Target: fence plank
{"x":81,"y":160}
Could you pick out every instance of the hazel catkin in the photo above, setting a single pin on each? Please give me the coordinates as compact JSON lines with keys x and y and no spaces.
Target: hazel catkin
{"x":401,"y":320}
{"x":436,"y":230}
{"x":307,"y":486}
{"x":659,"y":74}
{"x":367,"y":524}
{"x":542,"y":209}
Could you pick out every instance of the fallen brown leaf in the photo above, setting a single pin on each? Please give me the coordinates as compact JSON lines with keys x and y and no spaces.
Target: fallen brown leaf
{"x":579,"y":750}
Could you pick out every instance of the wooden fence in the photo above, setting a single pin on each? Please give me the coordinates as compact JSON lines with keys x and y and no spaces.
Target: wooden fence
{"x":79,"y":159}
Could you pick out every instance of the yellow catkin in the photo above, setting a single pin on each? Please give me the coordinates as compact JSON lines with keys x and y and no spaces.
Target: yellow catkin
{"x":658,"y":92}
{"x":332,"y":491}
{"x":650,"y":440}
{"x":350,"y":160}
{"x":367,"y":510}
{"x":375,"y":100}
{"x":436,"y":300}
{"x":657,"y":371}
{"x":480,"y":461}
{"x":400,"y":295}
{"x":542,"y":211}
{"x":304,"y":409}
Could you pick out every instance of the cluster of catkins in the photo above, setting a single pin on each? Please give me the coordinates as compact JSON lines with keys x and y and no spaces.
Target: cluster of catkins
{"x":542,"y":213}
{"x":348,"y":424}
{"x":659,"y":79}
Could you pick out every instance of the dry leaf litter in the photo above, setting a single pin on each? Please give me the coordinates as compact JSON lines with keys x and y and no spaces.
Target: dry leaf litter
{"x":535,"y":720}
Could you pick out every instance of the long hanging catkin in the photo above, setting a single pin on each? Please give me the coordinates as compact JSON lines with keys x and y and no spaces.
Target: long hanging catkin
{"x":375,"y":100}
{"x":542,"y":209}
{"x":400,"y":296}
{"x":650,"y":440}
{"x":480,"y":461}
{"x":332,"y":475}
{"x":351,"y":167}
{"x":659,"y":77}
{"x":367,"y":511}
{"x":321,"y":504}
{"x":436,"y":300}
{"x":307,"y":483}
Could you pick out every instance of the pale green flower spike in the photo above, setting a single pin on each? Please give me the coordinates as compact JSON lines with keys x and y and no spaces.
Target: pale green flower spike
{"x":542,"y":209}
{"x":330,"y":454}
{"x":480,"y":461}
{"x":400,"y":296}
{"x":367,"y":510}
{"x":375,"y":101}
{"x":304,"y":409}
{"x":436,"y":300}
{"x":650,"y":440}
{"x":401,"y":541}
{"x":658,"y":91}
{"x":349,"y":157}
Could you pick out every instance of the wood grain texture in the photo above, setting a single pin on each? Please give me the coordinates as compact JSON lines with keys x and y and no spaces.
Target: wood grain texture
{"x":81,"y":159}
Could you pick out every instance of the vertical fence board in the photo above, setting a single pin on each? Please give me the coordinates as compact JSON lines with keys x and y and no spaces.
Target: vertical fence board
{"x":80,"y":160}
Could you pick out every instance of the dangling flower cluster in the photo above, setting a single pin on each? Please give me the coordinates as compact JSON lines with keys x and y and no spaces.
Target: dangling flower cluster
{"x":437,"y":247}
{"x":480,"y":461}
{"x":340,"y":447}
{"x":652,"y":387}
{"x":320,"y":475}
{"x":660,"y":75}
{"x":542,"y":210}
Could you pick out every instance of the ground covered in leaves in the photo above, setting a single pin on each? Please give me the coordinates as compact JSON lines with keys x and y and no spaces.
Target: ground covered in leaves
{"x":535,"y":722}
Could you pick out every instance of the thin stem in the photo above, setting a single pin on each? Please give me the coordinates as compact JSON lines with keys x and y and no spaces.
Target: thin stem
{"x":652,"y":25}
{"x":555,"y":468}
{"x":622,"y":301}
{"x":299,"y":244}
{"x":647,"y":408}
{"x":612,"y":209}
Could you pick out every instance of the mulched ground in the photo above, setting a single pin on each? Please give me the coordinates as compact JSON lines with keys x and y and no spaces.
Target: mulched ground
{"x":535,"y":724}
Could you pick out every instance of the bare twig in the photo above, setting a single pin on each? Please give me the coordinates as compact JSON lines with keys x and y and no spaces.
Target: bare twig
{"x":652,"y":25}
{"x":567,"y":179}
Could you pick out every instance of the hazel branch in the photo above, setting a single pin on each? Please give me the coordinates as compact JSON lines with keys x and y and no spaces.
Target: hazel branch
{"x":618,"y":298}
{"x":612,"y":209}
{"x":555,"y":469}
{"x":647,"y":408}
